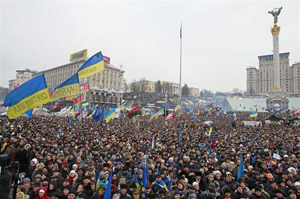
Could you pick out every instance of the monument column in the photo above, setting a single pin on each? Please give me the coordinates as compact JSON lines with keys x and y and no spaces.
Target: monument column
{"x":275,"y":32}
{"x":277,"y":98}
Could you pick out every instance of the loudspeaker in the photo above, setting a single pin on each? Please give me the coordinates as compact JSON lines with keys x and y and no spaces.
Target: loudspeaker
{"x":5,"y":183}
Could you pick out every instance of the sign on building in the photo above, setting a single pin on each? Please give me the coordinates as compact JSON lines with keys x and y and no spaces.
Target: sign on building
{"x":78,"y":55}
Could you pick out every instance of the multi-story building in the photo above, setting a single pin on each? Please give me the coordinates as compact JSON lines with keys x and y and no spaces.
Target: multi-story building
{"x":167,"y":88}
{"x":261,"y":81}
{"x":194,"y":92}
{"x":170,"y":88}
{"x":105,"y":87}
{"x":252,"y":80}
{"x":21,"y":77}
{"x":295,"y":78}
{"x":142,"y":86}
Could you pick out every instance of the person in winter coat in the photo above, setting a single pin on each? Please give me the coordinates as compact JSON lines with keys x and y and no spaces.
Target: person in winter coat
{"x":42,"y":194}
{"x":65,"y":192}
{"x":258,"y":194}
{"x":124,"y":194}
{"x":239,"y":193}
{"x":52,"y":190}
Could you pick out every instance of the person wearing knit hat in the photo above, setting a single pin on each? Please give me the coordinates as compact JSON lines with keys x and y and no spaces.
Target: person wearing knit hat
{"x":26,"y":184}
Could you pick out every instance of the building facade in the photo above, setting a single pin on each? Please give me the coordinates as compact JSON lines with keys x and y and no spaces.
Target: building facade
{"x":261,"y":81}
{"x":21,"y":77}
{"x":295,"y":78}
{"x":194,"y":92}
{"x":167,"y":88}
{"x":252,"y":80}
{"x":142,"y":86}
{"x":105,"y":87}
{"x":170,"y":88}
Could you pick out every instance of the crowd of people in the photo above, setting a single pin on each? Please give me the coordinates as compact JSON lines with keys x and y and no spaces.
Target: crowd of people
{"x":61,"y":159}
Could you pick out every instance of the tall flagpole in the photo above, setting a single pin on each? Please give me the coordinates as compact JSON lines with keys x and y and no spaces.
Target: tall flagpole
{"x":180,"y":91}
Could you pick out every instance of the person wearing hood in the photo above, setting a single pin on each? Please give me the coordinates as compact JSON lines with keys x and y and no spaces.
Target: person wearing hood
{"x":42,"y":194}
{"x":52,"y":189}
{"x":32,"y":167}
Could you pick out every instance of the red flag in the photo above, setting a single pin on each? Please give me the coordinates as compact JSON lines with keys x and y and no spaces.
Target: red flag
{"x":170,"y":116}
{"x":56,"y":108}
{"x":135,"y":111}
{"x":84,"y":87}
{"x":78,"y":99}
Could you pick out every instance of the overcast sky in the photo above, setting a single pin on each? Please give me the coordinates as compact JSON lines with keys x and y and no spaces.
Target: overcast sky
{"x":220,"y":38}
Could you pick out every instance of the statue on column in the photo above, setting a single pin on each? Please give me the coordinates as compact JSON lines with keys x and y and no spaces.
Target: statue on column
{"x":275,"y":12}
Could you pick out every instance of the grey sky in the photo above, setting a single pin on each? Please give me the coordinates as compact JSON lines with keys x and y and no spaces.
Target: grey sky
{"x":220,"y":38}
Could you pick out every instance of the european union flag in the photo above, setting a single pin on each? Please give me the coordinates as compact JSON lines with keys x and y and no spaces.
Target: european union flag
{"x":97,"y":115}
{"x":30,"y":94}
{"x":166,"y":105}
{"x":187,"y":109}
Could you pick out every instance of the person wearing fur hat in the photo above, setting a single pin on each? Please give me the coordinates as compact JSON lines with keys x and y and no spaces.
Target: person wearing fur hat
{"x":72,"y":177}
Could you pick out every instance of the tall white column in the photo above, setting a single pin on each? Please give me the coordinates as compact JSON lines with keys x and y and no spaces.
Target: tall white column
{"x":275,"y":32}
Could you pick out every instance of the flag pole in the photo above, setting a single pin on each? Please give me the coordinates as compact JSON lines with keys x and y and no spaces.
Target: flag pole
{"x":180,"y":92}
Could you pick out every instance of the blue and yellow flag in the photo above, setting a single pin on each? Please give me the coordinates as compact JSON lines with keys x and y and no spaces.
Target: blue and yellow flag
{"x":85,"y":105}
{"x":137,"y":184}
{"x":122,"y":107}
{"x":111,"y":114}
{"x":107,"y":193}
{"x":209,"y":132}
{"x":27,"y":115}
{"x":67,"y":88}
{"x":31,"y":94}
{"x":93,"y":65}
{"x":254,"y":114}
{"x":144,"y":182}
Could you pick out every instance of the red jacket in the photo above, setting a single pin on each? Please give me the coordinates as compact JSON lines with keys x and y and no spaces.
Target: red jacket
{"x":45,"y":194}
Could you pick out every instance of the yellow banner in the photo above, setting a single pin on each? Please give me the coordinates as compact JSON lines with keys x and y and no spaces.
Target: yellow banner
{"x":91,"y":70}
{"x":66,"y":91}
{"x":39,"y":98}
{"x":78,"y":55}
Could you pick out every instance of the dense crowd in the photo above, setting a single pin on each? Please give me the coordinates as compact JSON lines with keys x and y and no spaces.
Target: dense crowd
{"x":61,"y":159}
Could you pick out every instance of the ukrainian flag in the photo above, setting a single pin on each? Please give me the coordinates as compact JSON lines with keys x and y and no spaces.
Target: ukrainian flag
{"x":155,"y":116}
{"x":67,"y":88}
{"x":27,"y":114}
{"x":209,"y":132}
{"x":93,"y":65}
{"x":111,"y":114}
{"x":85,"y":105}
{"x":254,"y":114}
{"x":137,"y":184}
{"x":31,"y":94}
{"x":122,"y":107}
